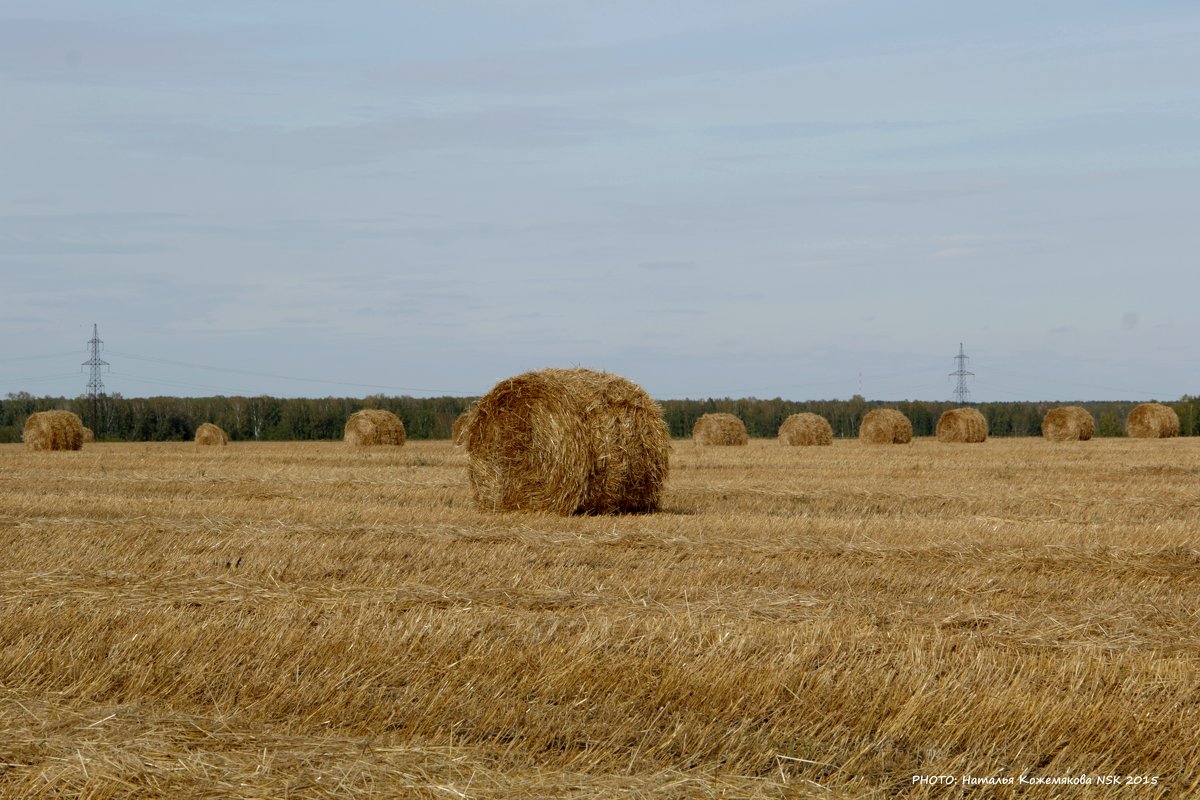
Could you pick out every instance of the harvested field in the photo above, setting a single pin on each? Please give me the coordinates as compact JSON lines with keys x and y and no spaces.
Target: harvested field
{"x":303,"y":620}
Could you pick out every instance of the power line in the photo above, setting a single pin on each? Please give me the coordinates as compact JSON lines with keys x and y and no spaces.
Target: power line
{"x":37,"y":358}
{"x":28,"y":378}
{"x":170,"y":362}
{"x":1043,"y":378}
{"x":162,"y":382}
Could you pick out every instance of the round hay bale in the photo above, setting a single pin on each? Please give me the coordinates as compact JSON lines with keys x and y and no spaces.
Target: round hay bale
{"x":720,"y":429}
{"x":88,"y":435}
{"x":805,"y":429}
{"x":1152,"y":421}
{"x":885,"y":426}
{"x":374,"y":426}
{"x":53,"y":430}
{"x":460,"y":426}
{"x":1068,"y":424}
{"x":567,"y":441}
{"x":209,"y":434}
{"x":965,"y":425}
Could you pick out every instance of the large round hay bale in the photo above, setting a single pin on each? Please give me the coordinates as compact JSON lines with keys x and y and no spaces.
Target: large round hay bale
{"x":964,"y":425}
{"x":374,"y":426}
{"x":885,"y":426}
{"x":720,"y":429}
{"x":1068,"y":424}
{"x":88,"y":435}
{"x":567,"y":441}
{"x":1152,"y":421}
{"x":805,"y":429}
{"x":209,"y":434}
{"x":53,"y":430}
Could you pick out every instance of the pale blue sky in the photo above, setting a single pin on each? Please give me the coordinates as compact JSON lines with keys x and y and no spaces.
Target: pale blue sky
{"x":710,"y":198}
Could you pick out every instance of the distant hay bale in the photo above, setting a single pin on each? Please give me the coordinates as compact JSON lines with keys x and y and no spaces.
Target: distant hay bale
{"x":374,"y":426}
{"x":88,"y":435}
{"x":720,"y":429}
{"x":567,"y":441}
{"x":1068,"y":424}
{"x":1152,"y":421}
{"x":805,"y":429}
{"x":460,"y":426}
{"x":965,"y":425}
{"x":209,"y":434}
{"x":53,"y":430}
{"x":885,"y":426}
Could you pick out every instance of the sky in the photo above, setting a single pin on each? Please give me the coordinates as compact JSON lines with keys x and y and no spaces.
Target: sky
{"x":792,"y":199}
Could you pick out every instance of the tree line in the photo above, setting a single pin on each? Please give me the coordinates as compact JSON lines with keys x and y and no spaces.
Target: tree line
{"x":267,"y":418}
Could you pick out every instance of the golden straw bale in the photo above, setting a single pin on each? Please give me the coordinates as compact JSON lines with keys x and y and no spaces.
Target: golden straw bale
{"x":720,"y":429}
{"x":209,"y":434}
{"x":374,"y":426}
{"x":567,"y":441}
{"x":53,"y":430}
{"x":88,"y":435}
{"x":1152,"y":421}
{"x":885,"y":426}
{"x":805,"y":429}
{"x":966,"y":425}
{"x":1068,"y":424}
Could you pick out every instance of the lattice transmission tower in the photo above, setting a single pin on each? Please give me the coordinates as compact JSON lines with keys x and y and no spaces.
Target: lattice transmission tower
{"x":962,"y":394}
{"x":95,"y":386}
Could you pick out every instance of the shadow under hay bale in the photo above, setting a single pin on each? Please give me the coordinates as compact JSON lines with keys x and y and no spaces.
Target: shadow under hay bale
{"x":805,"y":429}
{"x":567,"y":441}
{"x":374,"y":426}
{"x":885,"y":426}
{"x":720,"y":429}
{"x":1152,"y":421}
{"x":1068,"y":424}
{"x":210,"y":434}
{"x":53,"y":430}
{"x":962,"y":425}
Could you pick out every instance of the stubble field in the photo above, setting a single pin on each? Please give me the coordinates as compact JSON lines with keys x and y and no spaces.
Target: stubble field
{"x":304,"y":620}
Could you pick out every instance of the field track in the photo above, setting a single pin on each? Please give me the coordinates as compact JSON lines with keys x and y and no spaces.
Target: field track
{"x":306,"y":620}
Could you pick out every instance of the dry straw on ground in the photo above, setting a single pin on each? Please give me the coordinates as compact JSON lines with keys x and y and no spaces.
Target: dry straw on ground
{"x":805,"y":429}
{"x":965,"y":425}
{"x":885,"y":426}
{"x":210,"y":434}
{"x":53,"y":430}
{"x":567,"y":441}
{"x":1068,"y":424}
{"x":374,"y":426}
{"x":720,"y":429}
{"x":1152,"y":421}
{"x":296,"y":620}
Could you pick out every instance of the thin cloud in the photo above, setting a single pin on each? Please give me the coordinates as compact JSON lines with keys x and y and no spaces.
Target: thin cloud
{"x":317,"y":146}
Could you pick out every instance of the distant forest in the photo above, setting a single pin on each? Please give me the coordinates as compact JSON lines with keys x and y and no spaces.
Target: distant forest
{"x":154,"y":419}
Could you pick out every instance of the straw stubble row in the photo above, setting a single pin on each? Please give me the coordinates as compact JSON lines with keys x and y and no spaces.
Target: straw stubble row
{"x":307,"y":615}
